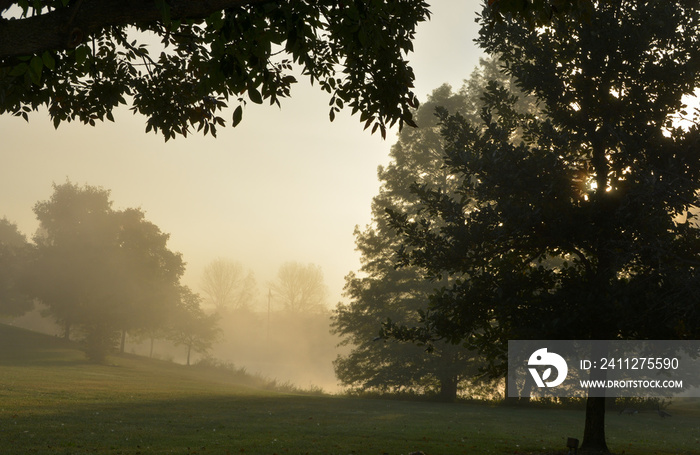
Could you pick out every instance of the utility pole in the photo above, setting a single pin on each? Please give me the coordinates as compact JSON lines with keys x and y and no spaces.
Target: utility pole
{"x":269,"y":299}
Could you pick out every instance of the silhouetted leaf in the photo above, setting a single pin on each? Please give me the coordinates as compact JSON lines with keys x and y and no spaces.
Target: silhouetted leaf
{"x":48,"y":60}
{"x":237,"y":115}
{"x":255,"y":95}
{"x":19,"y":70}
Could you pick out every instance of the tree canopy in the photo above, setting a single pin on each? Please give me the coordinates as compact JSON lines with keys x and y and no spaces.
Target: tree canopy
{"x":181,"y":62}
{"x":578,"y":224}
{"x":538,"y":12}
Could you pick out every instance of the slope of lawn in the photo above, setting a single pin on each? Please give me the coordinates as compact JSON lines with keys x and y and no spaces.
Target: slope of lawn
{"x":53,"y":402}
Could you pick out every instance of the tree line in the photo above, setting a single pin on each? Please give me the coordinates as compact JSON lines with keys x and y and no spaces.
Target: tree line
{"x":102,"y":273}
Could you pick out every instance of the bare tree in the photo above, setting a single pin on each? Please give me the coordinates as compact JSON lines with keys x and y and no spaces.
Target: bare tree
{"x":301,"y":287}
{"x":227,"y":285}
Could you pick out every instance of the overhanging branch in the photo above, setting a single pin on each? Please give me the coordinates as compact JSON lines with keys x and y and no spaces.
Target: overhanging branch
{"x":64,"y":28}
{"x":5,"y":4}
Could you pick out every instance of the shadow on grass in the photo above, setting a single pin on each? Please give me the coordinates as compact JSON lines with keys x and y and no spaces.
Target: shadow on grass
{"x":318,"y":425}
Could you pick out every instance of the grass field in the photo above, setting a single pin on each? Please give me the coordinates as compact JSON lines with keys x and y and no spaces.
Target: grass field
{"x":53,"y":402}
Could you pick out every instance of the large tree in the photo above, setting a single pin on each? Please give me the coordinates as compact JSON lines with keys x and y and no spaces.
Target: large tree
{"x":584,"y":228}
{"x":100,"y":269}
{"x":179,"y":62}
{"x":379,"y":291}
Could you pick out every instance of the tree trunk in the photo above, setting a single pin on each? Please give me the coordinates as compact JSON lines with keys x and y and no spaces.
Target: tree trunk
{"x":594,"y":430}
{"x":189,"y":349}
{"x":150,"y":354}
{"x":448,"y":389}
{"x":123,"y":342}
{"x":523,"y":396}
{"x":66,"y":331}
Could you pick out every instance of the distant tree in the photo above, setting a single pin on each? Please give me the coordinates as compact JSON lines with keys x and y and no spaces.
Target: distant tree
{"x":300,"y":288}
{"x":82,"y":59}
{"x":14,"y":259}
{"x":102,"y":270}
{"x":583,"y":228}
{"x":190,"y":326}
{"x":227,"y":285}
{"x":150,"y":335}
{"x":68,"y":273}
{"x":147,"y":271}
{"x":380,"y":291}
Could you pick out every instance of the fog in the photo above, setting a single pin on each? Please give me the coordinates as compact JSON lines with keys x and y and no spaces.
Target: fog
{"x":285,"y":185}
{"x":286,"y":347}
{"x":297,"y":349}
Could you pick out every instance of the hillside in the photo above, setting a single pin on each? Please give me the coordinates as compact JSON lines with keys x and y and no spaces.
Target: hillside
{"x":30,"y":352}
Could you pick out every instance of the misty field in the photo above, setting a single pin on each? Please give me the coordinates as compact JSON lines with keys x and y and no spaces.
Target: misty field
{"x":52,"y":401}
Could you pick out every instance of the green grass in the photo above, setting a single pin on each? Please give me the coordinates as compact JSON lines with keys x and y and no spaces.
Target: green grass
{"x":53,"y":402}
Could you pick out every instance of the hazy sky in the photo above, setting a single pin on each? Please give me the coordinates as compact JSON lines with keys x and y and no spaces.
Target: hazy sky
{"x":285,"y":185}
